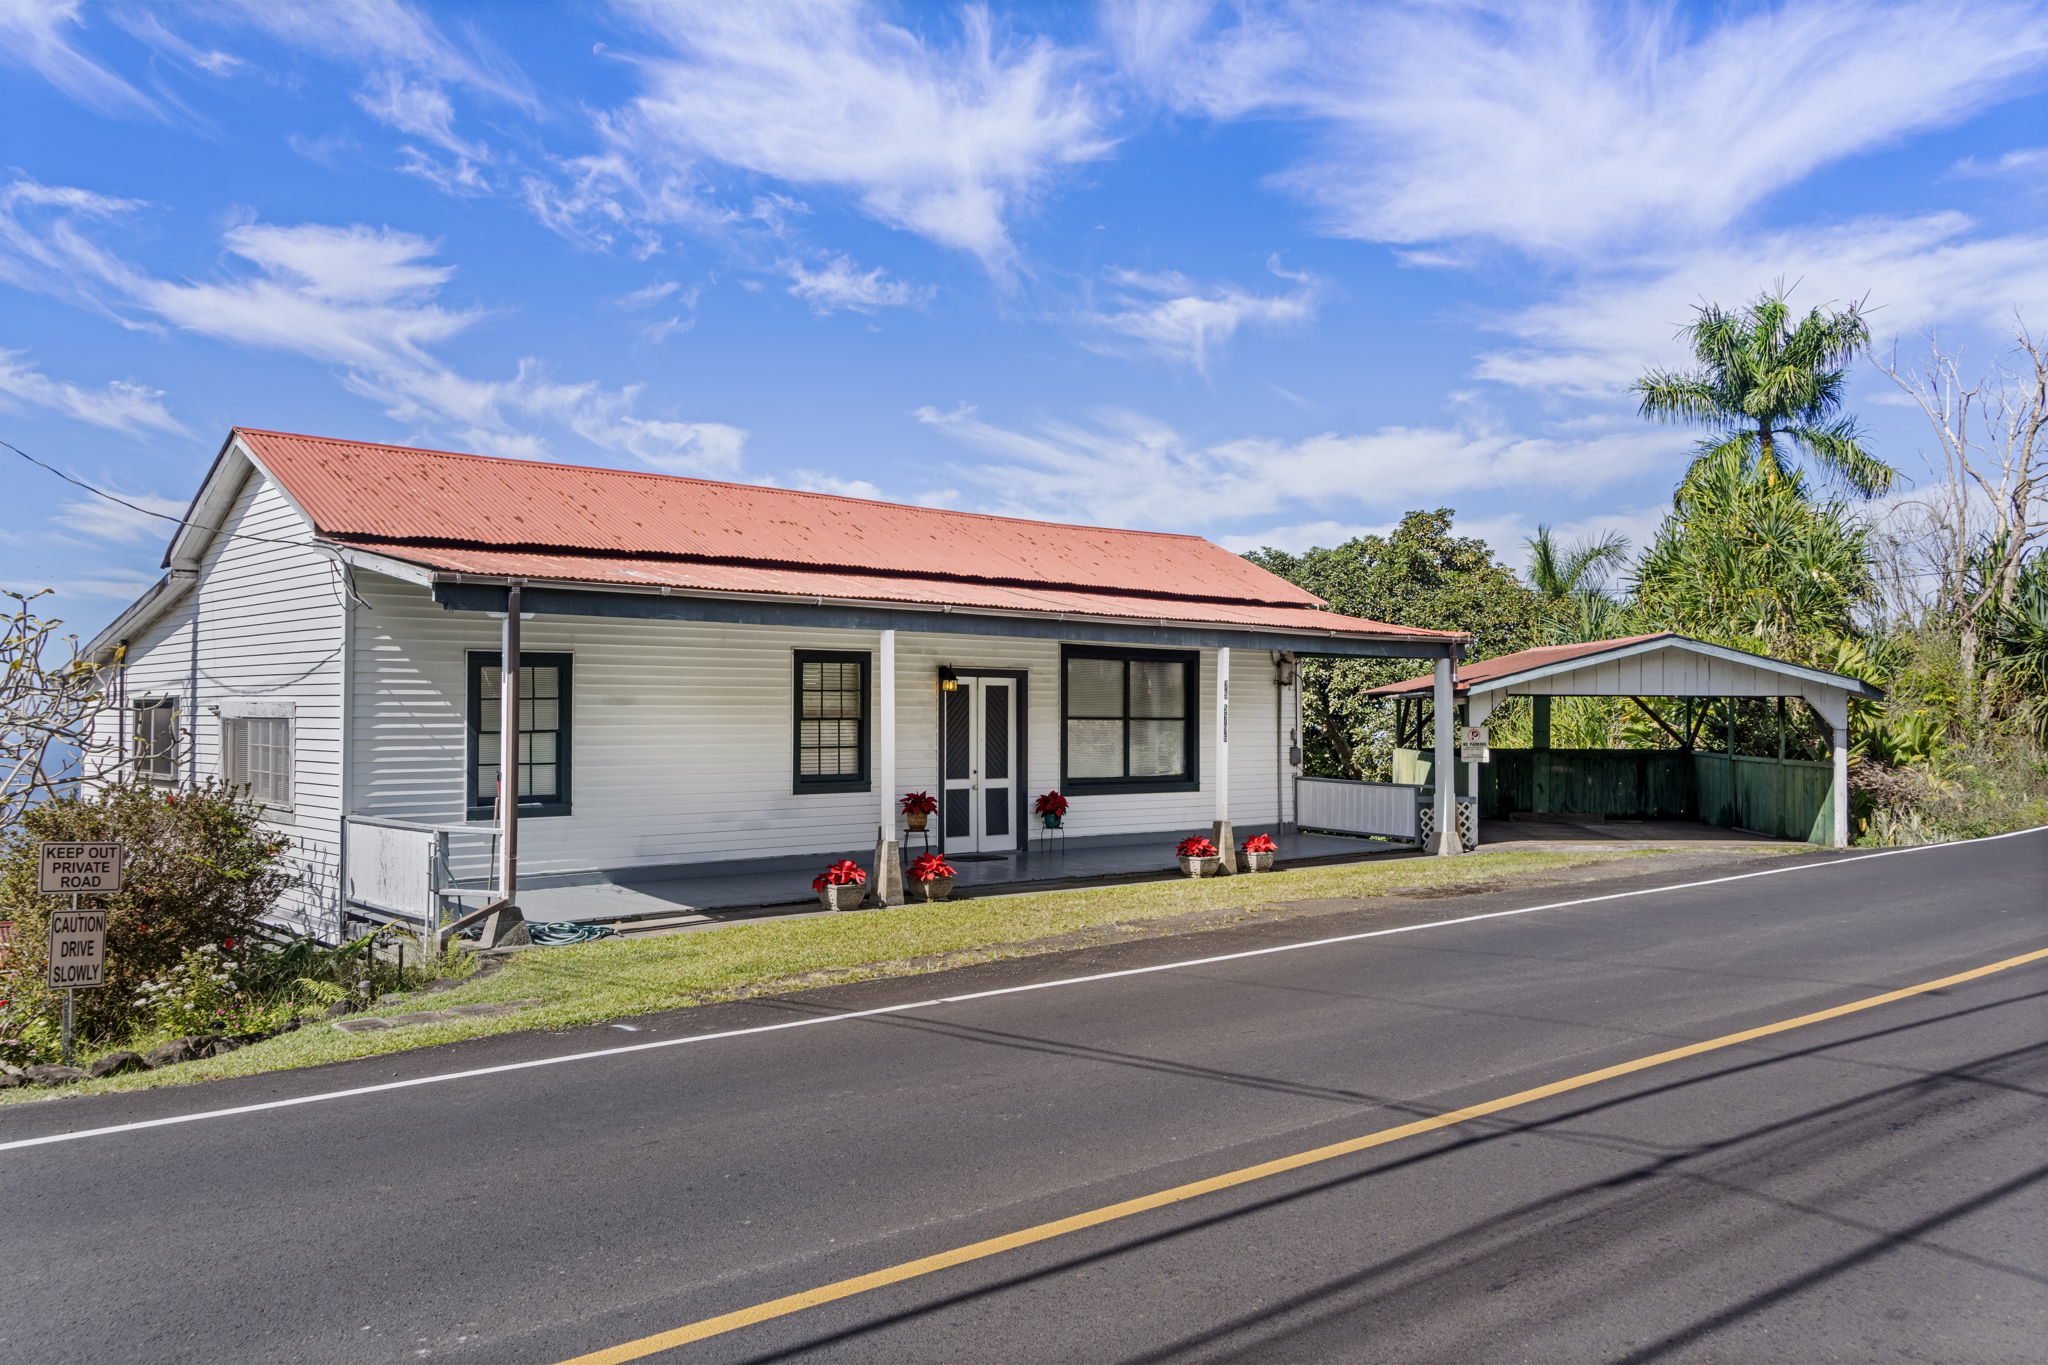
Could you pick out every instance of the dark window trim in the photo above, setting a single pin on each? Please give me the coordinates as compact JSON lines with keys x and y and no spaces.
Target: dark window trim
{"x":799,"y":784}
{"x":1193,"y":745}
{"x":161,"y":702}
{"x":1025,"y":796}
{"x":483,"y":805}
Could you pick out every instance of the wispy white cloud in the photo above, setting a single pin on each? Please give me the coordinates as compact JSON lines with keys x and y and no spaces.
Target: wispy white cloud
{"x":1567,"y":130}
{"x":2023,"y":164}
{"x":40,"y":36}
{"x":839,"y":283}
{"x":365,"y":300}
{"x":947,"y":140}
{"x":119,"y":405}
{"x":1173,"y":317}
{"x":1597,"y":337}
{"x":100,"y":520}
{"x":1130,"y":469}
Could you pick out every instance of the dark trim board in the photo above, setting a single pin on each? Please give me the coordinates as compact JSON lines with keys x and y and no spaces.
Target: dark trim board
{"x":548,"y":601}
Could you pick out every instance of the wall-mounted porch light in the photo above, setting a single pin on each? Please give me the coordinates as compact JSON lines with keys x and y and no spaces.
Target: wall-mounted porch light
{"x":948,"y":680}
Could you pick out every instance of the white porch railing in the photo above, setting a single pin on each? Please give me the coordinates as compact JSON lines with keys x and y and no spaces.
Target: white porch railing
{"x":1385,"y":810}
{"x":399,"y":868}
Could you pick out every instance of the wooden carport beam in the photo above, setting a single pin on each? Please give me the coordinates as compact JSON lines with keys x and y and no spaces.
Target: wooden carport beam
{"x":1684,"y":742}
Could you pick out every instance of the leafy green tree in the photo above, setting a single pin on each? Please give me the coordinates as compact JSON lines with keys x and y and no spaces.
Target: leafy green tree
{"x":1420,"y":575}
{"x":1748,"y":558}
{"x":1771,"y":387}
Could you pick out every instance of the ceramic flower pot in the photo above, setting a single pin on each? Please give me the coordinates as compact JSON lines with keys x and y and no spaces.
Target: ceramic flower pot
{"x":848,"y":897}
{"x":1258,"y":862}
{"x":1201,"y":867}
{"x":1052,"y":821}
{"x":937,"y":889}
{"x":914,"y":820}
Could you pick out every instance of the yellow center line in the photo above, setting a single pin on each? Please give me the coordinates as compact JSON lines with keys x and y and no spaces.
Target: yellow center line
{"x":1110,"y":1213}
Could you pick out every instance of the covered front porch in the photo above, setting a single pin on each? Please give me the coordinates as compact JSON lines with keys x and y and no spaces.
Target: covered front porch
{"x":690,"y":719}
{"x":654,"y":899}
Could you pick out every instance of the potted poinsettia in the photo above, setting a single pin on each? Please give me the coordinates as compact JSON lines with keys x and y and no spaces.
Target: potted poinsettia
{"x":931,"y":877}
{"x":1051,"y":809}
{"x":1259,"y":851}
{"x":915,"y":807}
{"x":1198,"y":857}
{"x":842,"y":886}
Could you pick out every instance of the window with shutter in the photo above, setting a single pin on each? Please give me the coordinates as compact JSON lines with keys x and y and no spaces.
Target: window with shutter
{"x":258,"y":755}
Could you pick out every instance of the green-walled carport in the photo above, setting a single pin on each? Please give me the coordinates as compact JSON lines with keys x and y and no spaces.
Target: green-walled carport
{"x":1799,"y":799}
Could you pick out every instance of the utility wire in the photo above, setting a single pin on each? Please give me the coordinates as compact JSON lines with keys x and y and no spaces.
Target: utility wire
{"x":347,"y":578}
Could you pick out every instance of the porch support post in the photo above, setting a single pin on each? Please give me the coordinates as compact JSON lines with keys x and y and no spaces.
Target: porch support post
{"x":1444,"y":770}
{"x":888,"y":882}
{"x":504,"y":924}
{"x":1221,"y":833}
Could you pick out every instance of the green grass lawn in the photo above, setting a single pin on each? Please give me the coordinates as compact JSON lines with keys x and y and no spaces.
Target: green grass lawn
{"x":609,"y":979}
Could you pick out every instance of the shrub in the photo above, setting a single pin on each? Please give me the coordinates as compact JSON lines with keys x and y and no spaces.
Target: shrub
{"x":201,"y":871}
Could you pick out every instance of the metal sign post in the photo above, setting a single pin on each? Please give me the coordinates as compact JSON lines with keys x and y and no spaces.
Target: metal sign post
{"x":77,"y":937}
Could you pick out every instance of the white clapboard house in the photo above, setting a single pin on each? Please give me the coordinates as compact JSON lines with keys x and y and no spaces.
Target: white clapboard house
{"x":717,"y":680}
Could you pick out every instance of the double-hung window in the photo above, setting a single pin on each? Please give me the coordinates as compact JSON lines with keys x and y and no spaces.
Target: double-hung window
{"x":1129,"y":719}
{"x":831,"y":721}
{"x":257,"y":754}
{"x":541,"y":753}
{"x":156,"y":738}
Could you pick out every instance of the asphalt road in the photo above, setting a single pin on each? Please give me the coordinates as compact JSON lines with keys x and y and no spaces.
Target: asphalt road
{"x":1868,"y":1187}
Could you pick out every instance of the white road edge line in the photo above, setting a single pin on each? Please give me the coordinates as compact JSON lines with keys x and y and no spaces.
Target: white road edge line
{"x":503,"y":1067}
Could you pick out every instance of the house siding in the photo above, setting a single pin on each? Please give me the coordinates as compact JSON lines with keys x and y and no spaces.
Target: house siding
{"x":264,"y":620}
{"x":682,"y":735}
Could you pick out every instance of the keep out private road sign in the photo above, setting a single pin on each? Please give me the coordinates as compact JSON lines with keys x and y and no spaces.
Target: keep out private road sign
{"x":79,"y":869}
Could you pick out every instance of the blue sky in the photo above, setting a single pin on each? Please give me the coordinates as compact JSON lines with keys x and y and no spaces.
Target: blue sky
{"x":1273,"y":274}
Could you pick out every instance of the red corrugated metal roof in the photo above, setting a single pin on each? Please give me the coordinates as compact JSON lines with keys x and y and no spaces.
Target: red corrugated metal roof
{"x":482,"y":515}
{"x":1519,"y":662}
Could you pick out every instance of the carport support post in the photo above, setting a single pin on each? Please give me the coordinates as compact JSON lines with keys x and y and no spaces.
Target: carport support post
{"x":1840,"y":743}
{"x":1444,"y":770}
{"x":1220,"y":833}
{"x":887,"y":888}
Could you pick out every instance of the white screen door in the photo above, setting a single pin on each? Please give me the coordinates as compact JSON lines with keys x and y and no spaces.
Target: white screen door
{"x":979,"y":766}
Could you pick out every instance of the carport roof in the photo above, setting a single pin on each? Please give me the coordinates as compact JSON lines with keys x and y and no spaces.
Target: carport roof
{"x":1508,"y":671}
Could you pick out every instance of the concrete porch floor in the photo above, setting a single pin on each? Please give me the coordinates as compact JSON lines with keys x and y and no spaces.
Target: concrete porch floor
{"x":1552,"y":830}
{"x":709,"y":898}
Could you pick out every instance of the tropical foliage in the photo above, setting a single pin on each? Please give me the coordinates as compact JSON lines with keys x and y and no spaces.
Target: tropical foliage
{"x":1753,"y":555}
{"x":1770,"y":388}
{"x":1422,"y":574}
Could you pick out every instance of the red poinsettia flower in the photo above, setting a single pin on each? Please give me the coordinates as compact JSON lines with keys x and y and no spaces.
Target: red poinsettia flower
{"x":845,"y":872}
{"x":930,"y":868}
{"x":1261,"y":843}
{"x":918,"y":803}
{"x":1196,"y":847}
{"x":1052,"y":803}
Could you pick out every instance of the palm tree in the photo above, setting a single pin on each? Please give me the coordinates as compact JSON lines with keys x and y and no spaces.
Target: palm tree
{"x":1771,"y":386}
{"x":1571,"y":580}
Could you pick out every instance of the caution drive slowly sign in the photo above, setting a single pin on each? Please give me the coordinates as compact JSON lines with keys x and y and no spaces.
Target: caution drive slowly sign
{"x":78,"y":949}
